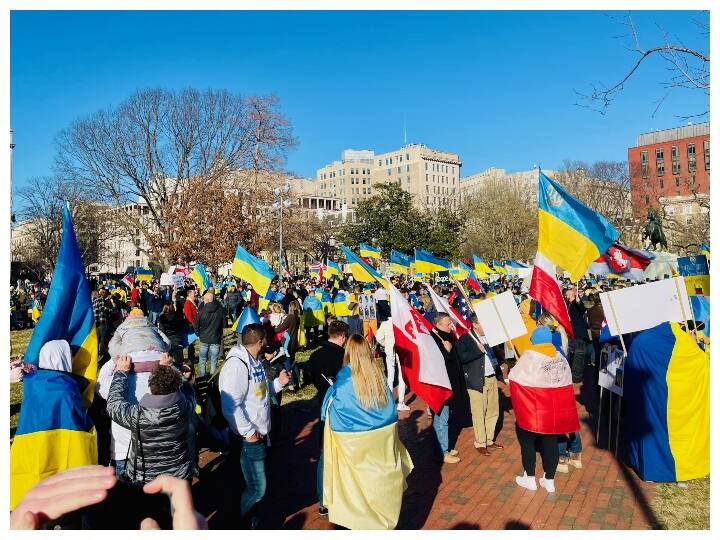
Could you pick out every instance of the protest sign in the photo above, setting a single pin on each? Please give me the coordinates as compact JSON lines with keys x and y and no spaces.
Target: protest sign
{"x":500,"y":318}
{"x":441,"y":278}
{"x":697,"y":274}
{"x":367,"y":307}
{"x":166,"y":279}
{"x":611,"y":370}
{"x":178,"y":280}
{"x":644,"y":306}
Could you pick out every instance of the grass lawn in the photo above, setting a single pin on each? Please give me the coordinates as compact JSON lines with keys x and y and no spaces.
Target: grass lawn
{"x":683,"y":508}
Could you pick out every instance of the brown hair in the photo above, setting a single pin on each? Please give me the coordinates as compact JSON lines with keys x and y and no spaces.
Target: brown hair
{"x":164,"y":380}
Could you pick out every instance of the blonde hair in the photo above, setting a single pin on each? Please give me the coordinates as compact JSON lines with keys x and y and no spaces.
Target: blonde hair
{"x":276,"y":308}
{"x":367,"y":378}
{"x":545,"y":319}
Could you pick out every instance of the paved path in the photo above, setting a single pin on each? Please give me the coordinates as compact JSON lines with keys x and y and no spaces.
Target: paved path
{"x":477,"y":493}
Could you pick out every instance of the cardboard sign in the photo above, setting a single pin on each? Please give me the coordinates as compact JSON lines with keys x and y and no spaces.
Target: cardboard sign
{"x":500,"y":318}
{"x":644,"y":306}
{"x":166,"y":279}
{"x":441,"y":278}
{"x":178,"y":280}
{"x":366,"y":303}
{"x":693,"y":266}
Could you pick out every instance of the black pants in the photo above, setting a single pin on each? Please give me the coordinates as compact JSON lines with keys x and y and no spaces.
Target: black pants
{"x":577,"y":359}
{"x":549,"y":453}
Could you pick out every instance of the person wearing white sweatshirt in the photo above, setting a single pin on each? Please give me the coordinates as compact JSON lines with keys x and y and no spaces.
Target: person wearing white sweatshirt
{"x":245,"y":402}
{"x":386,"y":338}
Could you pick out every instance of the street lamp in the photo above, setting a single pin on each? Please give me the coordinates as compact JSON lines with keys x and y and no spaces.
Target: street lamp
{"x":281,"y":202}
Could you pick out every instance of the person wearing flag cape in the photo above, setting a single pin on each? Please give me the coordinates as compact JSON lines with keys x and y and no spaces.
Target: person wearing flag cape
{"x":365,"y":463}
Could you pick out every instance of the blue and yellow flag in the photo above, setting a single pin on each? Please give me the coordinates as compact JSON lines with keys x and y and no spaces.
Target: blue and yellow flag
{"x":427,"y":263}
{"x":667,"y":388}
{"x":313,"y":312}
{"x":143,"y":274}
{"x":327,"y":302}
{"x":705,"y":250}
{"x":360,"y":270}
{"x":340,"y":304}
{"x":253,"y":270}
{"x":54,"y":432}
{"x":201,"y":279}
{"x":461,"y":271}
{"x":68,"y":312}
{"x":498,"y":267}
{"x":369,"y":252}
{"x":333,"y":269}
{"x":399,"y":262}
{"x":482,"y":269}
{"x":569,"y":233}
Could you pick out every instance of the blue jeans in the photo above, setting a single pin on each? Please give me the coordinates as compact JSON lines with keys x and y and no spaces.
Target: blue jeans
{"x":569,"y":443}
{"x":153,"y":317}
{"x":214,"y":350}
{"x":441,"y":427}
{"x":119,"y":466}
{"x":319,"y":484}
{"x":252,"y":463}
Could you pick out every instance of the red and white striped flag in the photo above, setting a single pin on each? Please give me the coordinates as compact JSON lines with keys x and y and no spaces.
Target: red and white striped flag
{"x":460,"y":325}
{"x":422,"y":363}
{"x":129,"y":280}
{"x":542,"y":393}
{"x":545,"y":289}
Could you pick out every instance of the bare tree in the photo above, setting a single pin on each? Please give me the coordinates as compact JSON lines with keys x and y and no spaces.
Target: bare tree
{"x":145,"y":151}
{"x":689,"y":68}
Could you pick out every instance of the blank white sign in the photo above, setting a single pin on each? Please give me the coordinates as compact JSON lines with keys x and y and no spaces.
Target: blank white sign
{"x":644,"y":306}
{"x":500,"y":318}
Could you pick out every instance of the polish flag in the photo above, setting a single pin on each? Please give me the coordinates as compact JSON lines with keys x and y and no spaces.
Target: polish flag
{"x":422,"y":363}
{"x":460,"y":325}
{"x":545,"y":289}
{"x":542,"y":393}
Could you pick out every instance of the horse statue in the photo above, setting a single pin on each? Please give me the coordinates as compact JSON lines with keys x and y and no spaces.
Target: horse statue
{"x":653,"y":232}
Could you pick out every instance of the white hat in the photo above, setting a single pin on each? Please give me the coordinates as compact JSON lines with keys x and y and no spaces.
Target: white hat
{"x":56,"y":355}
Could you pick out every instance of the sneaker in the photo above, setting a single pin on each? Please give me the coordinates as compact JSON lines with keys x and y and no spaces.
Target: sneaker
{"x":528,"y":482}
{"x":449,"y":458}
{"x":322,"y":511}
{"x":563,"y":466}
{"x":575,"y":460}
{"x":402,"y":407}
{"x":453,"y":452}
{"x":548,"y":484}
{"x":428,"y":411}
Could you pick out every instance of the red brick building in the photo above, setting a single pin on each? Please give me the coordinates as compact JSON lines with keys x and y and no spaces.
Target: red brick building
{"x":671,"y":169}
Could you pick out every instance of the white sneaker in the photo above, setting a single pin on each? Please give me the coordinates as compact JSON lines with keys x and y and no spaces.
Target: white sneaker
{"x":549,"y":485}
{"x":528,"y":482}
{"x":402,"y":407}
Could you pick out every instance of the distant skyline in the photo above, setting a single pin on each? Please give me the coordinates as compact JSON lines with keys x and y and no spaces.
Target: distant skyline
{"x":498,"y":88}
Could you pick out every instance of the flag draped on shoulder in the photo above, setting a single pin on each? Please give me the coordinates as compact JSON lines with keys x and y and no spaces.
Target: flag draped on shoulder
{"x":253,"y":270}
{"x":68,"y":312}
{"x":361,"y":270}
{"x":427,"y":263}
{"x":422,"y":363}
{"x":569,"y":233}
{"x":369,"y":252}
{"x":200,"y":277}
{"x":546,"y":290}
{"x":313,"y":312}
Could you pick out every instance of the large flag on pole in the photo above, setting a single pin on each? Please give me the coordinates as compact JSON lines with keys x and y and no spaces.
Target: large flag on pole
{"x":333,"y":269}
{"x":399,"y":262}
{"x":482,"y":269}
{"x":569,"y":233}
{"x":460,"y":325}
{"x":422,"y":363}
{"x":369,"y":252}
{"x":68,"y":312}
{"x":200,"y":277}
{"x":361,"y":270}
{"x":253,"y":270}
{"x":427,"y":263}
{"x":623,"y":261}
{"x":545,"y":289}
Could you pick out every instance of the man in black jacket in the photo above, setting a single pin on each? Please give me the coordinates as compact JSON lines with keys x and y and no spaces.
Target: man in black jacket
{"x":209,"y":326}
{"x":481,"y":371}
{"x":232,"y":301}
{"x":321,"y":369}
{"x":577,"y":345}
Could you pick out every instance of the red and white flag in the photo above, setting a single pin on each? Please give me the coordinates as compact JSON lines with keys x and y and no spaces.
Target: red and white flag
{"x":129,"y":280}
{"x":542,"y":393}
{"x":422,"y":363}
{"x":460,"y":325}
{"x":623,"y":261}
{"x":545,"y":289}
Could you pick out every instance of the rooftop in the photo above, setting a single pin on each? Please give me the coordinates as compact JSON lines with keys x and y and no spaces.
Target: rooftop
{"x":673,"y":134}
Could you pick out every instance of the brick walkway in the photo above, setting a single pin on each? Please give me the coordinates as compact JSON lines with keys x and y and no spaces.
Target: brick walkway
{"x":477,"y":493}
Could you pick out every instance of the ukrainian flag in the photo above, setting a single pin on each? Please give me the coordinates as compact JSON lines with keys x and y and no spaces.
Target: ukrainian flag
{"x":35,"y":311}
{"x":427,"y":263}
{"x":143,"y":274}
{"x":705,"y":250}
{"x":461,"y":271}
{"x":340,"y":304}
{"x":201,"y":279}
{"x":399,"y":262}
{"x":667,"y":388}
{"x":54,"y":433}
{"x":253,"y":270}
{"x":498,"y":267}
{"x":313,"y":312}
{"x":68,"y":312}
{"x":360,"y":270}
{"x":333,"y":269}
{"x":569,"y":233}
{"x":482,"y":269}
{"x":270,"y":296}
{"x":369,"y":252}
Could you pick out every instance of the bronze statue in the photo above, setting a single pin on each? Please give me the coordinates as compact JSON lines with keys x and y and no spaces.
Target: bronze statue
{"x":653,"y":231}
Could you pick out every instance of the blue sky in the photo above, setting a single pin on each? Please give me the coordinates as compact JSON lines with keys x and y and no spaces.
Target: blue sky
{"x":498,"y":88}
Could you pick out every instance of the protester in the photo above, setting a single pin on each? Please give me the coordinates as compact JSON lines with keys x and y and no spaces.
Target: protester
{"x":190,"y":312}
{"x":209,"y":326}
{"x":385,"y":336}
{"x":360,"y":437}
{"x":577,"y":346}
{"x":101,"y":314}
{"x":245,"y":404}
{"x":162,"y":424}
{"x":289,"y":328}
{"x":233,"y":301}
{"x":172,"y":325}
{"x":154,"y":303}
{"x":482,"y":371}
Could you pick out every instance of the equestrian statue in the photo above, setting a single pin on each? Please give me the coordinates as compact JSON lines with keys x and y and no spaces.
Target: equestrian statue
{"x":653,"y":231}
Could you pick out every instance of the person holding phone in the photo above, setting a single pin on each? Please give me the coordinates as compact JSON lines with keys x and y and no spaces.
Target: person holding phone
{"x":245,"y":402}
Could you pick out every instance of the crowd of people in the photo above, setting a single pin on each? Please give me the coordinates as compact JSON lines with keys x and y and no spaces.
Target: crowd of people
{"x":166,"y":384}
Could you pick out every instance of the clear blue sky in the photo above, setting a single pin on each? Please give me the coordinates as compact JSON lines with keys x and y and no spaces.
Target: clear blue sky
{"x":498,"y":88}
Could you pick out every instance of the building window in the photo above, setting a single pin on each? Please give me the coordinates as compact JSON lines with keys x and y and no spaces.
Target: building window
{"x":692,"y":164}
{"x":407,"y":157}
{"x":426,"y":166}
{"x":662,"y":184}
{"x":706,"y":151}
{"x":407,"y":168}
{"x":399,"y":168}
{"x":644,"y":163}
{"x":677,"y":181}
{"x":379,"y":162}
{"x":675,"y":160}
{"x":659,"y":162}
{"x":389,"y":172}
{"x":647,"y":199}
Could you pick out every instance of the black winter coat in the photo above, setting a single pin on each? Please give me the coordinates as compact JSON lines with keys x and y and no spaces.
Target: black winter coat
{"x":472,"y":362}
{"x":459,"y":396}
{"x":172,"y":325}
{"x":327,"y":360}
{"x":162,"y":430}
{"x":210,"y":323}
